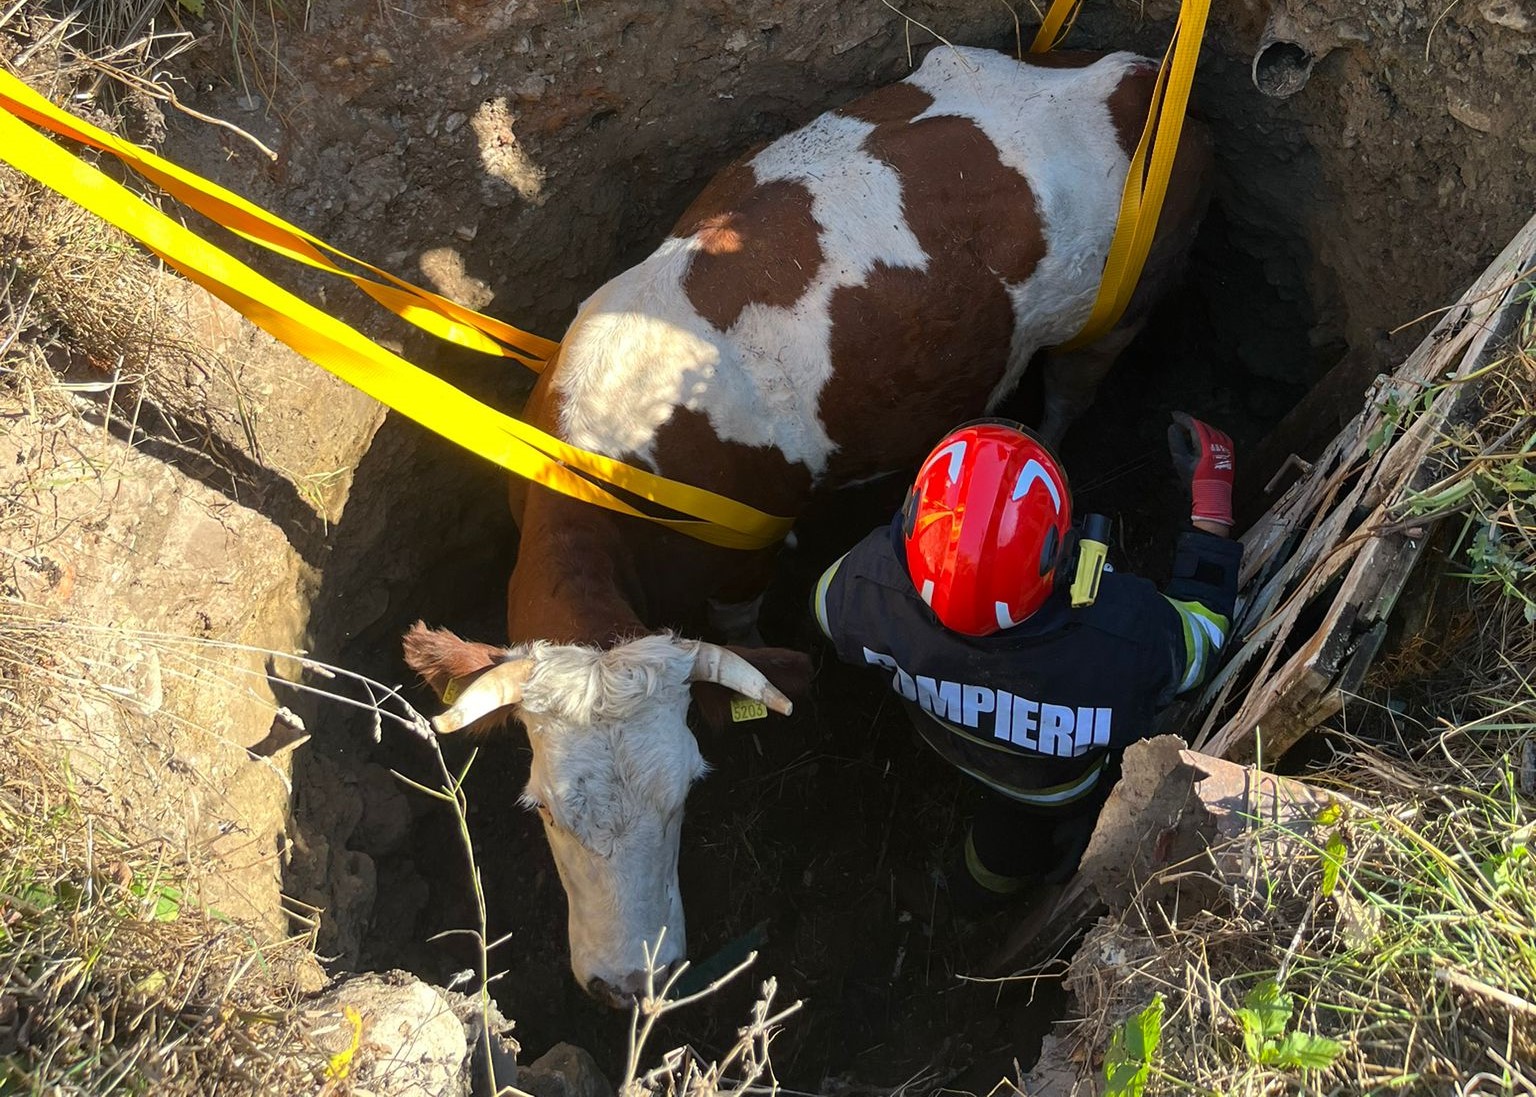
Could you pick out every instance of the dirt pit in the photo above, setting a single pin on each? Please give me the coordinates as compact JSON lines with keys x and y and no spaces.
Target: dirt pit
{"x":515,"y":158}
{"x":819,"y":839}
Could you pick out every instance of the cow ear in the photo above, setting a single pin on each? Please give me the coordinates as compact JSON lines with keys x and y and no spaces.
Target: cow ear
{"x":446,"y":662}
{"x":789,"y":671}
{"x":449,"y":664}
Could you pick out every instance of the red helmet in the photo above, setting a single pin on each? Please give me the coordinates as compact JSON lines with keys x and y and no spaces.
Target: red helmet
{"x":984,"y":526}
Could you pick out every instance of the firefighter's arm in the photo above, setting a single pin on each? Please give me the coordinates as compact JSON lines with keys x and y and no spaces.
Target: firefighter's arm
{"x":1203,"y":588}
{"x":822,"y":599}
{"x":1203,"y":594}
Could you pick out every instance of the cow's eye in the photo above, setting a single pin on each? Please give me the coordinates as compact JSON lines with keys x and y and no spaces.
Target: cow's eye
{"x":545,"y":814}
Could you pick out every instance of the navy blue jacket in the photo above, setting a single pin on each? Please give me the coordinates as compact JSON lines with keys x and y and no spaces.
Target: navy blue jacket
{"x":1035,"y":711}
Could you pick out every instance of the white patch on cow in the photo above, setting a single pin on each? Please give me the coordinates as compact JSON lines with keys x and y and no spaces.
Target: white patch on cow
{"x":1064,"y":143}
{"x":612,"y":763}
{"x":638,"y":349}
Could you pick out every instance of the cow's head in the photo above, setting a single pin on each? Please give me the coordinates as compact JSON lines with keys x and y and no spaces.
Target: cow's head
{"x":613,"y":759}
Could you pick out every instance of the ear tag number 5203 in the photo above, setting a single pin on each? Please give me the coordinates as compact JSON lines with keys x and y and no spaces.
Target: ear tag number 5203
{"x":744,"y":708}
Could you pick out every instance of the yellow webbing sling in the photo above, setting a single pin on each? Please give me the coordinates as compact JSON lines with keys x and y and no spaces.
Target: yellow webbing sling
{"x":345,"y":352}
{"x":1146,"y":184}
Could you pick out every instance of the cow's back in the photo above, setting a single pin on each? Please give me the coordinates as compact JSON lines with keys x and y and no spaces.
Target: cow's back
{"x":833,"y":301}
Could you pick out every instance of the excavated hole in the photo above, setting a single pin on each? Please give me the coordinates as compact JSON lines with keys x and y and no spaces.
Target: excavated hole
{"x":820,"y":834}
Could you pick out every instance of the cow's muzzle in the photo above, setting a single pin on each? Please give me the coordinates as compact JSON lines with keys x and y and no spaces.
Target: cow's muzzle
{"x":623,"y":993}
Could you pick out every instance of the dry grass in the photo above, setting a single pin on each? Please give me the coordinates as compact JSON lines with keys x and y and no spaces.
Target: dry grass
{"x":1397,"y":954}
{"x":129,"y":40}
{"x":77,"y":289}
{"x":75,"y":300}
{"x":745,"y":1067}
{"x":109,"y":980}
{"x":1407,"y":936}
{"x":91,"y":326}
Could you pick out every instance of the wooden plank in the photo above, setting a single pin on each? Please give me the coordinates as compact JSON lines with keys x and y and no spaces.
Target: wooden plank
{"x":1321,"y":535}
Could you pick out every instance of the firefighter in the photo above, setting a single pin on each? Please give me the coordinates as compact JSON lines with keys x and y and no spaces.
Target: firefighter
{"x":964,"y":603}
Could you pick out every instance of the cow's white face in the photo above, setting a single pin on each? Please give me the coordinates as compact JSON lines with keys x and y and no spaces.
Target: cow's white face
{"x":612,"y":763}
{"x":613,"y":760}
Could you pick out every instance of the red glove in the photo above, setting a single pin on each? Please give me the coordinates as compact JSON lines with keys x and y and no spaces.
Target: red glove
{"x":1205,"y":459}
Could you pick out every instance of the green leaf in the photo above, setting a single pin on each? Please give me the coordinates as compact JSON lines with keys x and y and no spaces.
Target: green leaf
{"x":1126,"y":1079}
{"x":196,"y":7}
{"x":1330,"y":814}
{"x":36,"y":895}
{"x":1333,"y":861}
{"x":1128,"y":1062}
{"x":167,"y":899}
{"x":1147,"y":1031}
{"x":1504,"y":870}
{"x":1299,"y":1051}
{"x":1270,"y":1007}
{"x":167,"y":904}
{"x":1253,"y":1038}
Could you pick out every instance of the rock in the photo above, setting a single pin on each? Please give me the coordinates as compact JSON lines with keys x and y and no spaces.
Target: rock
{"x":565,"y":1070}
{"x":1514,"y":14}
{"x":444,"y":269}
{"x":1176,"y":806}
{"x":1056,"y":1073}
{"x":1468,"y":115}
{"x":503,"y":1048}
{"x":410,"y":1044}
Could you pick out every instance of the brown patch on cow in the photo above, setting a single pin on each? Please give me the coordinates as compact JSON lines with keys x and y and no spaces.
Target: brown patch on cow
{"x":913,"y":348}
{"x":764,"y":252}
{"x":688,"y":448}
{"x":759,"y":244}
{"x":961,"y":201}
{"x":591,"y":576}
{"x":889,"y":105}
{"x":719,"y":235}
{"x":1063,"y":59}
{"x":931,"y":346}
{"x":1129,"y":103}
{"x":726,"y":191}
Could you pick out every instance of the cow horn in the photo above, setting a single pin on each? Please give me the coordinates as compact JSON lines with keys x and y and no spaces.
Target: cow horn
{"x":723,"y":666}
{"x":498,"y":687}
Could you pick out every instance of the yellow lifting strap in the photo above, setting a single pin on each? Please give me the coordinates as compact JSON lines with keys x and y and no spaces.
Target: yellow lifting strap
{"x":351,"y":356}
{"x":1146,"y":184}
{"x":427,"y":310}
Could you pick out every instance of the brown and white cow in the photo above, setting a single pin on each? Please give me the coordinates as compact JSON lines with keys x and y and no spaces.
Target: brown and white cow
{"x":827,"y":308}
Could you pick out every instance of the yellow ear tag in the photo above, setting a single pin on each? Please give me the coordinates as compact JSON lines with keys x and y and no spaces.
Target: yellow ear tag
{"x":452,"y":690}
{"x":744,"y":708}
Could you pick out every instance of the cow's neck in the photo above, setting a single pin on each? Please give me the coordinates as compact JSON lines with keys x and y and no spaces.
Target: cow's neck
{"x":586,"y":575}
{"x":573,"y":583}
